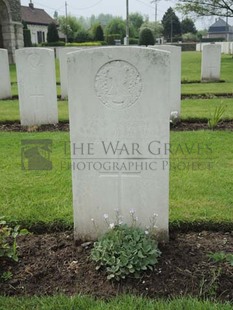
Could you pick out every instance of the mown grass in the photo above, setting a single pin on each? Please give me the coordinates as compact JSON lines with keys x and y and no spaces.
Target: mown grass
{"x":190,"y":109}
{"x":191,"y":71}
{"x":197,"y":193}
{"x":9,"y":110}
{"x":119,"y":303}
{"x":204,"y":108}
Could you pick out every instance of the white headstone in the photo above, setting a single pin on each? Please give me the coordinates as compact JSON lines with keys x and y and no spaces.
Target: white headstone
{"x":63,"y":52}
{"x":231,"y":48}
{"x":37,"y":86}
{"x":211,"y":62}
{"x":175,"y":87}
{"x":225,"y":47}
{"x":119,"y":128}
{"x":5,"y":84}
{"x":198,"y":47}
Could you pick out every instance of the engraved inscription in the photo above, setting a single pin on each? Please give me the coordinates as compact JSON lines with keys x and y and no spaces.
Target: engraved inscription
{"x":118,"y":84}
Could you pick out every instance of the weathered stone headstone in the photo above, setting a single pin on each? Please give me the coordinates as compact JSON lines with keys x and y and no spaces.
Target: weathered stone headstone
{"x":63,"y":52}
{"x":5,"y":84}
{"x":175,"y":86}
{"x":37,"y":86}
{"x":211,"y":62}
{"x":119,"y":128}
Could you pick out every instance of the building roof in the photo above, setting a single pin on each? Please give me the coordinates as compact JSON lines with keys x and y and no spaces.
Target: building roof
{"x":220,"y":26}
{"x":35,"y":16}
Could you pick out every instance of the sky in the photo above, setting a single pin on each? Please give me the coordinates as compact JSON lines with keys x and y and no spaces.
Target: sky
{"x":86,"y":8}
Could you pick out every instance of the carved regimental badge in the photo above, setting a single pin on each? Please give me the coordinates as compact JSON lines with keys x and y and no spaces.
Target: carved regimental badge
{"x":118,"y":84}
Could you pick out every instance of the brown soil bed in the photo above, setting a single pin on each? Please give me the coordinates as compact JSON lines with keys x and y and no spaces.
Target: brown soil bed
{"x":51,"y":263}
{"x":64,"y":126}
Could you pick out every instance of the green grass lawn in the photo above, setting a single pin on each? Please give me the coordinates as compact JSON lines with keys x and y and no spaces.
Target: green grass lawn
{"x":9,"y":110}
{"x":201,"y":193}
{"x":190,"y":109}
{"x":119,"y":303}
{"x":191,"y":71}
{"x":204,"y":108}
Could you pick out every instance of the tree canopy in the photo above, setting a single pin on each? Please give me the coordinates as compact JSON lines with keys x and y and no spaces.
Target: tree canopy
{"x":188,"y":26}
{"x":116,"y":26}
{"x":52,"y":35}
{"x":171,"y":24}
{"x":70,"y":26}
{"x":156,"y":28}
{"x":206,"y":7}
{"x":146,"y":37}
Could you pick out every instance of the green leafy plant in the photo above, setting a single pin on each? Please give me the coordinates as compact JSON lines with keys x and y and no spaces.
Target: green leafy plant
{"x":219,"y":257}
{"x":216,"y":117}
{"x":125,"y":251}
{"x":8,"y":242}
{"x":208,"y":287}
{"x":6,"y":276}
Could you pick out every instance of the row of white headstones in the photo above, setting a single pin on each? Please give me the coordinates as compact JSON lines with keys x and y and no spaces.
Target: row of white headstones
{"x":38,"y":96}
{"x":120,"y":102}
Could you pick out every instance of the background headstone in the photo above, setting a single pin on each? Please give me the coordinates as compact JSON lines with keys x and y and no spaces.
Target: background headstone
{"x":175,"y":87}
{"x":119,"y":128}
{"x":37,"y":86}
{"x":211,"y":62}
{"x":5,"y":83}
{"x":63,"y":52}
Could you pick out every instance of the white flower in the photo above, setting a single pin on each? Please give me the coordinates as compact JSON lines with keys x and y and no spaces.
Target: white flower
{"x":155,"y":215}
{"x":105,"y":216}
{"x":146,"y":232}
{"x":111,"y":225}
{"x":92,"y":220}
{"x":132,"y":211}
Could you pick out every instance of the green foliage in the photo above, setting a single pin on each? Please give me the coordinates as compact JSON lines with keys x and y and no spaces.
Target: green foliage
{"x":156,"y":28}
{"x":189,"y":37}
{"x":171,"y":24}
{"x":216,"y":117}
{"x":208,"y":287}
{"x":146,"y":37}
{"x":135,"y":22}
{"x":27,"y":38}
{"x":97,"y":32}
{"x":26,"y":35}
{"x":82,"y":36}
{"x":58,"y":43}
{"x":116,"y":26}
{"x":7,"y":275}
{"x":125,"y":251}
{"x":120,"y":302}
{"x":52,"y":35}
{"x":8,"y":244}
{"x":220,"y":257}
{"x":188,"y":26}
{"x":102,"y":19}
{"x":86,"y":44}
{"x":133,"y":41}
{"x":206,"y":8}
{"x":69,"y":26}
{"x":201,"y":33}
{"x":110,"y":39}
